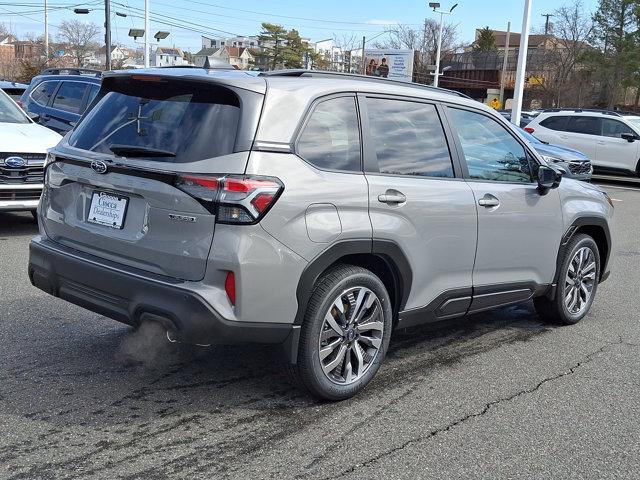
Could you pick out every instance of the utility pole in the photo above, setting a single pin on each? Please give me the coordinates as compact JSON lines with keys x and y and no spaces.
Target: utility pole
{"x":546,"y":22}
{"x":46,"y":33}
{"x":364,"y":60}
{"x":146,"y":33}
{"x":107,"y":34}
{"x":504,"y":64}
{"x":516,"y":109}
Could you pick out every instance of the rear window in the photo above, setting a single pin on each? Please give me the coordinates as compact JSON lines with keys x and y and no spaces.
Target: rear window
{"x":555,"y":123}
{"x":188,"y":121}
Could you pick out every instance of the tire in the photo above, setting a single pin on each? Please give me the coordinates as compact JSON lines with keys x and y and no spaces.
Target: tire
{"x":577,"y":283}
{"x":338,"y":357}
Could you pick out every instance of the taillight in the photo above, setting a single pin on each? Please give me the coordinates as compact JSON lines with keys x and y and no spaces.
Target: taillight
{"x":230,"y":287}
{"x":233,"y":199}
{"x":529,"y":129}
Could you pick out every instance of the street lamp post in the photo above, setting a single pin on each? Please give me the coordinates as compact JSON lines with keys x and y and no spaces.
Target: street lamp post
{"x":435,"y":6}
{"x":146,"y":37}
{"x":516,"y":109}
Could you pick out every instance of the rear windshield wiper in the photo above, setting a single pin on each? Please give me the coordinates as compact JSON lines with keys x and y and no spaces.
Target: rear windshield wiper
{"x":133,"y":151}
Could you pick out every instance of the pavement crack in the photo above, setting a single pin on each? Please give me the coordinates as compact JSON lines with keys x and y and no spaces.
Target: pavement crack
{"x":487,"y":407}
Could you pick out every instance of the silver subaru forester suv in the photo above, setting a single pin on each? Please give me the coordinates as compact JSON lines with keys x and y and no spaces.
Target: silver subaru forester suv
{"x":313,"y":210}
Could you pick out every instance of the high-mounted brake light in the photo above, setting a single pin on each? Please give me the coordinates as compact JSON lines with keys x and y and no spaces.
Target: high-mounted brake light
{"x":234,"y":199}
{"x":529,"y":129}
{"x":147,"y":78}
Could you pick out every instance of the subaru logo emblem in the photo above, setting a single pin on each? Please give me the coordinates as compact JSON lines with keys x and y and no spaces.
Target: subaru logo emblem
{"x":15,"y":162}
{"x":98,"y":166}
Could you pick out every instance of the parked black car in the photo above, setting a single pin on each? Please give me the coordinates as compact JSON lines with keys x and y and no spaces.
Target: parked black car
{"x":13,"y":89}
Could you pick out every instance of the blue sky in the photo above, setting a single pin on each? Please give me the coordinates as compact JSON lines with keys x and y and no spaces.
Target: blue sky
{"x":317,"y":20}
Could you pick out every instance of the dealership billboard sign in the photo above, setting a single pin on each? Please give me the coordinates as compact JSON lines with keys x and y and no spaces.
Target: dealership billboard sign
{"x":389,"y":63}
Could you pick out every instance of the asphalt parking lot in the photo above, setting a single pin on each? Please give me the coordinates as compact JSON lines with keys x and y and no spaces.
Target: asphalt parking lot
{"x":498,"y":395}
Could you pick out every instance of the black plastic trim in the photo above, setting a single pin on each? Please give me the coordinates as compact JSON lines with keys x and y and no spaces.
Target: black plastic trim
{"x":586,"y":221}
{"x":388,"y":250}
{"x":127,"y":296}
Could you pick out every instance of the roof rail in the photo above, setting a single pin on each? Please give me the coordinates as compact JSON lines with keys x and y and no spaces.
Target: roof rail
{"x":580,"y":110}
{"x":355,"y":76}
{"x":71,"y":71}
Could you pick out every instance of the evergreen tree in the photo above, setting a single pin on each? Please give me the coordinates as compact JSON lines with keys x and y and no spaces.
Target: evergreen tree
{"x":273,"y":39}
{"x":486,"y":41}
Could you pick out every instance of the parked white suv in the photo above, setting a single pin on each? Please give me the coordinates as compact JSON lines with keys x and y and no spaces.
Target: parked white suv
{"x":609,"y":139}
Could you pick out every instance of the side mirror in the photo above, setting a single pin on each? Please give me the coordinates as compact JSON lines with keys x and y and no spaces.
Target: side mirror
{"x":34,"y":116}
{"x":548,"y":178}
{"x":629,"y":137}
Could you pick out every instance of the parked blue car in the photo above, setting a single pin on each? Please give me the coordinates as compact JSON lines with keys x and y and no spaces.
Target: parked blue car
{"x":574,"y":163}
{"x":58,"y":97}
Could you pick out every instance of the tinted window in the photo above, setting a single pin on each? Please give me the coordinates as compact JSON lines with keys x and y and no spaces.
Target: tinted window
{"x":192,"y":121}
{"x":408,"y":138}
{"x":555,"y":123}
{"x":586,"y":125}
{"x":69,"y":96}
{"x":42,"y":93}
{"x":331,"y":139}
{"x":491,"y":152}
{"x":614,"y":128}
{"x":93,"y":91}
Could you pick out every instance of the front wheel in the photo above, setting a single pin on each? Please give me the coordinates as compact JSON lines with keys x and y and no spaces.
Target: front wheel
{"x":345,"y":333}
{"x":577,"y":283}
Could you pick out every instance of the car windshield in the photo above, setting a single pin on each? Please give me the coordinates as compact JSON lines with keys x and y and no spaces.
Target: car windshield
{"x":634,"y":121}
{"x":528,"y":136}
{"x":10,"y":112}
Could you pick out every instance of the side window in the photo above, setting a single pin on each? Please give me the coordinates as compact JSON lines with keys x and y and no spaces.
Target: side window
{"x":69,"y":96}
{"x":614,"y":128}
{"x":408,"y":138}
{"x":331,"y":138}
{"x":491,"y":152}
{"x":555,"y":123}
{"x":42,"y":93}
{"x":93,"y":91}
{"x":585,"y":125}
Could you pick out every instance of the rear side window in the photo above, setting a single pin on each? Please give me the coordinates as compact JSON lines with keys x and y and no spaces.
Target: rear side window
{"x":331,"y":138}
{"x":167,"y":121}
{"x":408,"y":138}
{"x":43,"y":92}
{"x":585,"y":125}
{"x":69,"y":96}
{"x":555,"y":123}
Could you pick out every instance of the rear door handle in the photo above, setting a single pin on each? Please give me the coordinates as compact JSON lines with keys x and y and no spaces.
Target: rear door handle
{"x":489,"y":201}
{"x":391,"y":197}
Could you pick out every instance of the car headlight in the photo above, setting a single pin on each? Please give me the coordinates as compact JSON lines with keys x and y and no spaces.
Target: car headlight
{"x":549,"y":159}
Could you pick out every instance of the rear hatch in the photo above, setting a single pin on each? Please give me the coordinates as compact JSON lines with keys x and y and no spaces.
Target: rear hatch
{"x":115,"y":188}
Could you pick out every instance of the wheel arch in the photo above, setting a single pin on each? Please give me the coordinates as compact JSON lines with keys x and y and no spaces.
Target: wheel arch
{"x":384,"y":258}
{"x":598,"y":229}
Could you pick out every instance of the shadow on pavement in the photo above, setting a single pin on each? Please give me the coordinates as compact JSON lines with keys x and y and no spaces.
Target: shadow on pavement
{"x":17,"y":223}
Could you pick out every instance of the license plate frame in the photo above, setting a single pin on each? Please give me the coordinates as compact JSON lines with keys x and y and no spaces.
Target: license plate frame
{"x":118,"y":213}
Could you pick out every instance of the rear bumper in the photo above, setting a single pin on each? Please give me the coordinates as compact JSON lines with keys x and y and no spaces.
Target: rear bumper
{"x":131,"y":296}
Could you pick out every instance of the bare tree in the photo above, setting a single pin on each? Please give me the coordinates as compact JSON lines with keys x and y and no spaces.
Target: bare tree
{"x":346,"y":44}
{"x":80,"y":37}
{"x":425,"y":42}
{"x":572,"y":29}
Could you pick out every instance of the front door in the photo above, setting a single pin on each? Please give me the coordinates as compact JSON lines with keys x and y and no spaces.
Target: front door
{"x":417,"y":200}
{"x":612,"y":150}
{"x":519,"y":229}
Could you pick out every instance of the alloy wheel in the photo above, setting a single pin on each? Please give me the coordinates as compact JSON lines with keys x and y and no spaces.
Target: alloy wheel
{"x":580,"y":281}
{"x":351,"y":335}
